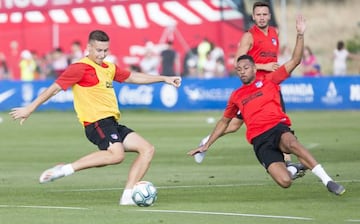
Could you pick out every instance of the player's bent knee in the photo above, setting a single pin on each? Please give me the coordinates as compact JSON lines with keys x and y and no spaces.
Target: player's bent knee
{"x":285,"y":182}
{"x":149,"y":152}
{"x":116,"y":158}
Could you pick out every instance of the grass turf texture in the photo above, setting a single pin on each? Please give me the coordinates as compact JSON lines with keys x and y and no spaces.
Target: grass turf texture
{"x":230,"y":186}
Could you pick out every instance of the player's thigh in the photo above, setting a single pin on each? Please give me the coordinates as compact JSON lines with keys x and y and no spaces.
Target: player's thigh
{"x":134,"y":142}
{"x":117,"y":149}
{"x":289,"y":143}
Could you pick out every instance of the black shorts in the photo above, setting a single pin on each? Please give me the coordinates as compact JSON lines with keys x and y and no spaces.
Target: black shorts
{"x":266,"y":145}
{"x":106,"y":130}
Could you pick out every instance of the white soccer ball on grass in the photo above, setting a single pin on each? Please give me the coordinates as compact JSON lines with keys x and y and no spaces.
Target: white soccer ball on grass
{"x":144,"y":194}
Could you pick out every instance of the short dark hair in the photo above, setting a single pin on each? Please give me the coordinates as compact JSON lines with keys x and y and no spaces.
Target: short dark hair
{"x":246,"y":57}
{"x":98,"y":35}
{"x":261,"y":4}
{"x":340,"y":45}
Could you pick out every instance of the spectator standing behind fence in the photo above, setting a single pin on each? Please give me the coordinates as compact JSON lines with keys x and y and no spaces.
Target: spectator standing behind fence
{"x":4,"y":69}
{"x":59,"y":61}
{"x":76,"y":52}
{"x":203,"y":48}
{"x":218,"y":56}
{"x":27,"y":66}
{"x":340,"y":56}
{"x":285,"y":55}
{"x":170,"y":63}
{"x":13,"y":60}
{"x":150,"y":62}
{"x":309,"y":63}
{"x":190,"y":67}
{"x":209,"y":67}
{"x":46,"y":66}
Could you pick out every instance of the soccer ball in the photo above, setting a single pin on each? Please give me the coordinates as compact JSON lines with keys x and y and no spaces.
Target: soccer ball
{"x":144,"y":194}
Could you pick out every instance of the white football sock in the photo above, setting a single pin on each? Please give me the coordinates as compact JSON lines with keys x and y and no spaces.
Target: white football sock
{"x":126,"y":198}
{"x":320,"y":172}
{"x":292,"y":170}
{"x":126,"y":194}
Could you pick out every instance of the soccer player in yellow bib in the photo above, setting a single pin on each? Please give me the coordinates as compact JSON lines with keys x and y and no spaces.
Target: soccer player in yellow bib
{"x":97,"y":109}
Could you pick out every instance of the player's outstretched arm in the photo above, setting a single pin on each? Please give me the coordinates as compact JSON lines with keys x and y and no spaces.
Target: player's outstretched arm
{"x":23,"y":113}
{"x":299,"y":46}
{"x":142,"y":78}
{"x":218,"y":131}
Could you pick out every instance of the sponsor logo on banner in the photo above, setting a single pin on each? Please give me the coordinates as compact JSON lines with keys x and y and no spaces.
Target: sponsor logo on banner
{"x":139,"y":95}
{"x":211,"y":94}
{"x":297,"y":93}
{"x":27,"y":93}
{"x":6,"y":95}
{"x":355,"y":92}
{"x":168,"y":95}
{"x":331,"y":97}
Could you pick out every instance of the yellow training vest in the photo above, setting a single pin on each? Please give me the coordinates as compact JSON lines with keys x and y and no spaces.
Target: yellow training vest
{"x":96,"y":102}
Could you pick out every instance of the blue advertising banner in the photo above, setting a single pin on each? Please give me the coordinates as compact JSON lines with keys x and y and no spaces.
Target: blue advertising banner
{"x":322,"y":93}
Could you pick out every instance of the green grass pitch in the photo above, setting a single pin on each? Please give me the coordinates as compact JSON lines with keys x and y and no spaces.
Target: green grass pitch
{"x":230,"y":186}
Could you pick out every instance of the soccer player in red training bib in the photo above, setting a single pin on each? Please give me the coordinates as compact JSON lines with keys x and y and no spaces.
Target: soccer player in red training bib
{"x":97,"y":109}
{"x":268,"y":127}
{"x":262,"y":43}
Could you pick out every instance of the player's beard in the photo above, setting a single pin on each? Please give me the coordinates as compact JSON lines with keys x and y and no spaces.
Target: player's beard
{"x":262,"y":24}
{"x":262,"y":27}
{"x":246,"y":80}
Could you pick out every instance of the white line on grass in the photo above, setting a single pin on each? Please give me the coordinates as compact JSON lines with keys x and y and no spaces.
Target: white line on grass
{"x":210,"y":185}
{"x":353,"y":220}
{"x":176,"y":187}
{"x":165,"y":187}
{"x":42,"y":207}
{"x":227,"y":214}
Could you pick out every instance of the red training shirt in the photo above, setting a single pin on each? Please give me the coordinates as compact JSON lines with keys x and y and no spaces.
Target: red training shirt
{"x":265,"y":47}
{"x":259,"y":103}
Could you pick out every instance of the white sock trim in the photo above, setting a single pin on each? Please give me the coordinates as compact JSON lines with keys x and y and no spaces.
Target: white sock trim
{"x":292,"y":170}
{"x":127,"y":193}
{"x":319,"y":171}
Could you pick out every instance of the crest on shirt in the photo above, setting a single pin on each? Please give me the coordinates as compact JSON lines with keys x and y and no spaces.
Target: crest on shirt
{"x":109,"y":84}
{"x":259,"y":84}
{"x":114,"y":136}
{"x":274,"y":42}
